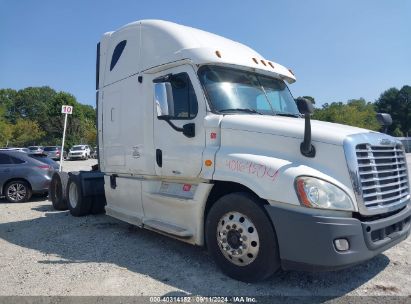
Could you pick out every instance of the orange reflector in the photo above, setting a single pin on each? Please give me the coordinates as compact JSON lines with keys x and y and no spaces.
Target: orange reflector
{"x":263,"y":62}
{"x":301,"y":193}
{"x":255,"y":60}
{"x":271,"y":65}
{"x":208,"y":162}
{"x":218,"y":54}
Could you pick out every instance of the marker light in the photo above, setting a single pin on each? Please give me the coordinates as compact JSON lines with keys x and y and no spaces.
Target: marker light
{"x":218,"y":54}
{"x":255,"y":60}
{"x":271,"y":65}
{"x":317,"y":193}
{"x":263,"y":62}
{"x":289,"y":70}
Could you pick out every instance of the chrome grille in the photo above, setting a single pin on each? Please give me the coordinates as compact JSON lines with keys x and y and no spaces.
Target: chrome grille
{"x":382,"y":175}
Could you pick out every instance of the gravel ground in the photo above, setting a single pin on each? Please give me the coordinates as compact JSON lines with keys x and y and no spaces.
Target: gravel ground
{"x":77,"y":165}
{"x":46,"y":252}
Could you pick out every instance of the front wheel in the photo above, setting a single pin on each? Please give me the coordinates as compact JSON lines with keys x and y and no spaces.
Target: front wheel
{"x":241,"y":238}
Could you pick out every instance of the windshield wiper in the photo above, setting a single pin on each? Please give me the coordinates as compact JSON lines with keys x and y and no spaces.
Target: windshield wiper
{"x":240,"y":110}
{"x":288,"y":114}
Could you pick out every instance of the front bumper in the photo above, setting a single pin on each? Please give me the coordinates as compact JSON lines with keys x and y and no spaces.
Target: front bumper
{"x":306,"y":241}
{"x":77,"y":156}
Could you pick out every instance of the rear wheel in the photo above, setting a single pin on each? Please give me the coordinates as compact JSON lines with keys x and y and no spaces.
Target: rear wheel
{"x":57,"y":190}
{"x":17,"y":191}
{"x":241,"y":238}
{"x":77,"y":203}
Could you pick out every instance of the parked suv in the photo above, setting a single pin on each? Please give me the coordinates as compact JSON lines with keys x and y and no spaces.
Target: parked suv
{"x":79,"y":152}
{"x":35,"y":149}
{"x":53,"y":152}
{"x":21,"y":176}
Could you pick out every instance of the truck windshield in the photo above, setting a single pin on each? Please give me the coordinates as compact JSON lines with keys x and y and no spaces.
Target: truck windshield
{"x":239,"y":91}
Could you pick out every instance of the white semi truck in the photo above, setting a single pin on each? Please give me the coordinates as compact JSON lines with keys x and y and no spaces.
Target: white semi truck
{"x":200,"y":139}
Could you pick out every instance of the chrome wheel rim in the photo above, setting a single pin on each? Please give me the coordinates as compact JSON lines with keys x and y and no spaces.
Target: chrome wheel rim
{"x":238,"y":238}
{"x":73,"y":195}
{"x":16,"y":192}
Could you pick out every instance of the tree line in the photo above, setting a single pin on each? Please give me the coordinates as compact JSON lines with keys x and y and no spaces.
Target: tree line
{"x":362,"y":113}
{"x":32,"y":116}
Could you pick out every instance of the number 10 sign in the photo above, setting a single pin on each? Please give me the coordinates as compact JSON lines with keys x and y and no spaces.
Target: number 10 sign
{"x":66,"y":109}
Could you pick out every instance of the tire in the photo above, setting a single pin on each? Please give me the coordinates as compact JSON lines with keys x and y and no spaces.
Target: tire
{"x":57,"y":190}
{"x":17,"y":191}
{"x":76,"y":202}
{"x":251,"y":243}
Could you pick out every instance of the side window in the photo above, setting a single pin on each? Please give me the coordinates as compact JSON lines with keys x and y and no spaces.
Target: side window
{"x":5,"y":159}
{"x":16,"y":160}
{"x":184,"y":97}
{"x":118,"y":50}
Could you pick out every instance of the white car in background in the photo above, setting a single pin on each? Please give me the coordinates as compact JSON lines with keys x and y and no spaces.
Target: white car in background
{"x":79,"y":152}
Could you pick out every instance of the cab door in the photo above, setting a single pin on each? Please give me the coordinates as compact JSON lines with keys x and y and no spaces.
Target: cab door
{"x":178,"y":154}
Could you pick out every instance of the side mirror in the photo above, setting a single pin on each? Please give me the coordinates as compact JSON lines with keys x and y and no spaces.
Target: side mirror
{"x":163,"y":98}
{"x":304,"y":105}
{"x":384,"y":119}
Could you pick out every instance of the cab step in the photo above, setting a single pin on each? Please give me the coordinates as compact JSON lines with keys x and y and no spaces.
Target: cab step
{"x":168,"y":228}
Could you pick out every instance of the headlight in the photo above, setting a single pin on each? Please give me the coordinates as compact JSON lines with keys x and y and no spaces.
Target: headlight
{"x":316,"y":193}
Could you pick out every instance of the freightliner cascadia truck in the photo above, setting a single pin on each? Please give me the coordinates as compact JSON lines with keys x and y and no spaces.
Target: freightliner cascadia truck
{"x":200,"y":139}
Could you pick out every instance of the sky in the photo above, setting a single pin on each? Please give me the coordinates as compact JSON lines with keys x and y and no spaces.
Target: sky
{"x":339,"y":50}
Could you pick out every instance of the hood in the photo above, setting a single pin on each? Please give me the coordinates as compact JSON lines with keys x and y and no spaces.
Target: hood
{"x":325,"y":132}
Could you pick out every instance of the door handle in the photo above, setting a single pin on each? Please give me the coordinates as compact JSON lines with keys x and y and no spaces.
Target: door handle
{"x":159,"y":157}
